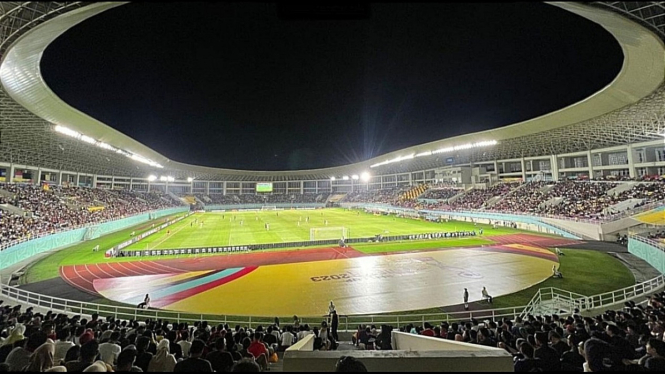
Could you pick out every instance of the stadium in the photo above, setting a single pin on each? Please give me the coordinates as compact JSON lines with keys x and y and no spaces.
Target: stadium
{"x":552,"y":226}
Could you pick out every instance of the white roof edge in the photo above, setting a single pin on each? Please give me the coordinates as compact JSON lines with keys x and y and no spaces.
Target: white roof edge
{"x":642,"y":72}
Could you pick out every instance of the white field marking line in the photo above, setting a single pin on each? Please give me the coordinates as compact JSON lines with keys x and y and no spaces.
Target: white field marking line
{"x":140,"y":269}
{"x":120,"y":264}
{"x":166,"y":237}
{"x":79,"y":275}
{"x":93,"y":274}
{"x":153,"y":266}
{"x":165,"y":266}
{"x":100,"y":269}
{"x":118,"y":270}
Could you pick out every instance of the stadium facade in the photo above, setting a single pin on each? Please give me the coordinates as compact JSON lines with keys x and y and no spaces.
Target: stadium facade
{"x":616,"y":131}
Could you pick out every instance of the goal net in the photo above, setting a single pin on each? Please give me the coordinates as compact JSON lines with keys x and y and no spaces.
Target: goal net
{"x":325,"y":233}
{"x":269,"y":207}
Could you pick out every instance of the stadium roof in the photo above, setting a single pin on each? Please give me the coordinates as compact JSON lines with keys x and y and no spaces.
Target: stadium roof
{"x":630,"y":109}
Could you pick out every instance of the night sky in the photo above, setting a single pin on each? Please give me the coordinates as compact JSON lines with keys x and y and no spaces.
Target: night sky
{"x":236,"y":86}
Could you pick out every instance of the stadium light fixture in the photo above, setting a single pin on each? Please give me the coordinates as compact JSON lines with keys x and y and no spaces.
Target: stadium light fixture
{"x":365,"y":176}
{"x":190,"y":179}
{"x":441,"y":150}
{"x":152,"y":178}
{"x":87,"y":139}
{"x":332,"y":178}
{"x":162,"y":178}
{"x":346,"y":177}
{"x":355,"y":177}
{"x":170,"y":179}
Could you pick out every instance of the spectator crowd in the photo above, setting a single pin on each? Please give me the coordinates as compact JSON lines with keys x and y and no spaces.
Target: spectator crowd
{"x":628,"y":339}
{"x":43,"y":211}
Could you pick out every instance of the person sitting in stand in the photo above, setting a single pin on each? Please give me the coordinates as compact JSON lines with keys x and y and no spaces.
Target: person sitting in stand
{"x":486,"y":296}
{"x":145,"y":304}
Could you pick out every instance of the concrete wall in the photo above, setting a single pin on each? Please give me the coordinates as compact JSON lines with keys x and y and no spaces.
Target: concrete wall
{"x":591,"y":230}
{"x":416,"y":353}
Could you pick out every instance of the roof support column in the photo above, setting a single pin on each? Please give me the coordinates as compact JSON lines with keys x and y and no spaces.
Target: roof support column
{"x":224,"y":188}
{"x":60,"y":178}
{"x":10,"y":178}
{"x":131,"y":183}
{"x":523,"y":169}
{"x":554,"y":167}
{"x":631,"y":163}
{"x":78,"y":179}
{"x":39,"y":176}
{"x":589,"y":160}
{"x":94,"y":181}
{"x":208,"y":188}
{"x":302,"y":187}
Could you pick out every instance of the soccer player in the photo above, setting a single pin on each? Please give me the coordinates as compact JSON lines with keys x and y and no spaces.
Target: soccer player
{"x":267,"y":227}
{"x":96,"y":248}
{"x":466,"y":299}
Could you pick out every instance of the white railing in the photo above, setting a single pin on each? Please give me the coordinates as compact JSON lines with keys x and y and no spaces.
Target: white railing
{"x":651,"y":242}
{"x":559,"y":299}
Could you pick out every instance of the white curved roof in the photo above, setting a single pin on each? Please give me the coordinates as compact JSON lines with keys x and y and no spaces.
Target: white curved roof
{"x":635,"y":89}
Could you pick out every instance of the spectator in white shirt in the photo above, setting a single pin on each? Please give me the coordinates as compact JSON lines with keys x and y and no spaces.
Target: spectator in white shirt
{"x":62,"y":345}
{"x":184,"y":343}
{"x":287,"y":338}
{"x":111,"y":349}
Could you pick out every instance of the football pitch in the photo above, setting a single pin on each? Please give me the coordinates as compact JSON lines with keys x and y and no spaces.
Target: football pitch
{"x":246,"y":228}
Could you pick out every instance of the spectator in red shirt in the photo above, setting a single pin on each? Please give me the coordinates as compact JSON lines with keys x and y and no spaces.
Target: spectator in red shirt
{"x":259,"y":351}
{"x":428,"y":330}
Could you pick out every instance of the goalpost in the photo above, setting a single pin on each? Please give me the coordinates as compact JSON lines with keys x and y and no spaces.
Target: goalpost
{"x":268,"y":207}
{"x":324,"y":233}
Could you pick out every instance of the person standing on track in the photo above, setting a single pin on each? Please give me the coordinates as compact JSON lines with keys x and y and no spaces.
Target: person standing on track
{"x":466,"y":299}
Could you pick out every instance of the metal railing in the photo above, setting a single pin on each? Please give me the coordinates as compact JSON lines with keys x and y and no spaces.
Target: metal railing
{"x":651,"y":242}
{"x":560,"y":300}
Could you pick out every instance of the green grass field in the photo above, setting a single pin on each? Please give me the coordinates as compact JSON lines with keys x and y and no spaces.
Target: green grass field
{"x":240,"y":228}
{"x":219,"y":230}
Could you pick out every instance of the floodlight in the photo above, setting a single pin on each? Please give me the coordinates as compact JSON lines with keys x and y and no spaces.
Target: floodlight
{"x":152,"y":178}
{"x":355,"y":177}
{"x":170,"y":179}
{"x":346,"y":177}
{"x":190,"y":179}
{"x":163,"y":178}
{"x":365,"y":176}
{"x":332,"y":178}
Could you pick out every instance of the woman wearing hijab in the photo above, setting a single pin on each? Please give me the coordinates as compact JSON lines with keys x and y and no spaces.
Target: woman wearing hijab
{"x":15,"y":336}
{"x":8,"y":344}
{"x":42,"y":359}
{"x":163,"y":361}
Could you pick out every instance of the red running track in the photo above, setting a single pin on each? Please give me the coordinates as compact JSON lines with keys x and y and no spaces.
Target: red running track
{"x":82,"y":276}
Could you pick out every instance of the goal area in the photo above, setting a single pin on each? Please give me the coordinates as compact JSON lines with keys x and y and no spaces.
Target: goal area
{"x":269,"y":207}
{"x":326,"y":233}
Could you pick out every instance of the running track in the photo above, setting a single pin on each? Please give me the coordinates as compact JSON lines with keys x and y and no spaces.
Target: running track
{"x":82,"y":276}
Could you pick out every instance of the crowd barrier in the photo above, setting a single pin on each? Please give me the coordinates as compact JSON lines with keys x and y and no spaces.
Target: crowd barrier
{"x":239,"y":207}
{"x":308,"y":243}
